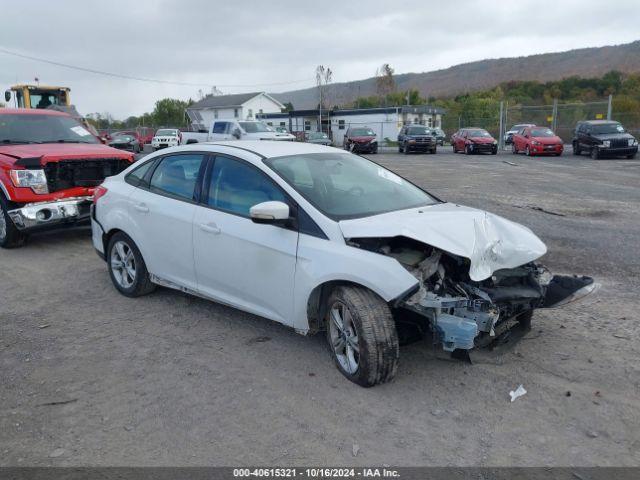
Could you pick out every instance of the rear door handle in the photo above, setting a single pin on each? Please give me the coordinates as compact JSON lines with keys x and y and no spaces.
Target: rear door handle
{"x":141,"y":207}
{"x":210,"y":228}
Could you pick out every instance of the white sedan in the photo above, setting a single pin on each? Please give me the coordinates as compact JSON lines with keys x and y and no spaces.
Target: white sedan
{"x":322,"y":240}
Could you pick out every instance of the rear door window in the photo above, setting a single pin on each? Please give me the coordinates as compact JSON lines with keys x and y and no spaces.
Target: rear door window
{"x":220,"y":127}
{"x":177,"y":175}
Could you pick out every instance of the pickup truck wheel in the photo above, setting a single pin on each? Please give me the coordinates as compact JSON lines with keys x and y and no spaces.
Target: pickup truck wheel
{"x":362,"y":336}
{"x":10,"y":236}
{"x":399,"y":148}
{"x":595,"y":153}
{"x":127,"y":269}
{"x":576,"y":148}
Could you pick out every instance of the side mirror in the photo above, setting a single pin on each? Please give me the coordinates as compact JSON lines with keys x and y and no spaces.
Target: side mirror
{"x":7,"y":95}
{"x":191,"y":140}
{"x":273,"y":213}
{"x":237,"y":133}
{"x":103,"y":140}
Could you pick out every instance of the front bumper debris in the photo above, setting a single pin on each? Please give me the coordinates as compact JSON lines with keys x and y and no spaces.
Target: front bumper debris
{"x":36,"y":215}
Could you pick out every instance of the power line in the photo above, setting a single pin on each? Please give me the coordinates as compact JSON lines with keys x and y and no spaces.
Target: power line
{"x":143,"y":79}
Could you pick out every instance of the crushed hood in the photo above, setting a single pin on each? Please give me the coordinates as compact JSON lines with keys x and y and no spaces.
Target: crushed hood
{"x":490,"y":242}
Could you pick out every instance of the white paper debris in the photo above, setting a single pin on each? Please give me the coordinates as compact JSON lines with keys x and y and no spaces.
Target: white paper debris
{"x":520,"y":391}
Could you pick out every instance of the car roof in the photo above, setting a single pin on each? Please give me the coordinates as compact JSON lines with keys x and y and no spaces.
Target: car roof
{"x":269,"y":148}
{"x":32,"y":111}
{"x":598,"y":122}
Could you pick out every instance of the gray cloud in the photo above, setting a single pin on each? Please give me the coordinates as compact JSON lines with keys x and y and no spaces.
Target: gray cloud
{"x":239,"y":43}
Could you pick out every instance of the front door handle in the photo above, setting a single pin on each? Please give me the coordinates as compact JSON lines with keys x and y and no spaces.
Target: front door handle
{"x":210,"y":228}
{"x":141,"y":207}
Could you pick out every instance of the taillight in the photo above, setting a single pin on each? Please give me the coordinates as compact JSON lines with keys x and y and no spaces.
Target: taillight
{"x":99,"y":192}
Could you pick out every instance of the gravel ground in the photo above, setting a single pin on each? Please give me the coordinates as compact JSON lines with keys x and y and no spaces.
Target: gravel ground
{"x":89,"y":377}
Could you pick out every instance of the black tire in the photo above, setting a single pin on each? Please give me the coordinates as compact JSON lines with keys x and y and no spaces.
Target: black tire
{"x":494,"y":151}
{"x":467,"y":150}
{"x":10,"y":236}
{"x":595,"y":153}
{"x":433,"y":151}
{"x":576,"y":148}
{"x":514,"y":149}
{"x":406,"y":150}
{"x":527,"y":151}
{"x":399,"y":148}
{"x":141,"y":284}
{"x":377,"y":338}
{"x":524,"y":319}
{"x":631,"y":156}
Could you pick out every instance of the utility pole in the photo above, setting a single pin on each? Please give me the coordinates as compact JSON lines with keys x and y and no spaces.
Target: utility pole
{"x":323,"y":77}
{"x":554,"y":115}
{"x":501,"y":137}
{"x":609,"y":107}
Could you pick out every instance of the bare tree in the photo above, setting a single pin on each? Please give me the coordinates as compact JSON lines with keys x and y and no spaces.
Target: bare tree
{"x":385,"y":84}
{"x":323,"y":77}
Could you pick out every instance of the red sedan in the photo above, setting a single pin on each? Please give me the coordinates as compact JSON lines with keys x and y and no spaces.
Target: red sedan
{"x":537,"y":141}
{"x":474,"y":140}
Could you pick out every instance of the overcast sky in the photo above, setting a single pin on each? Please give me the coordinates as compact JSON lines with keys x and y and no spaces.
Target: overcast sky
{"x":266,"y":43}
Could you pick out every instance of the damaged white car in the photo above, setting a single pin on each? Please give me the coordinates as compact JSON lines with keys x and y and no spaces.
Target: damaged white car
{"x":322,"y":240}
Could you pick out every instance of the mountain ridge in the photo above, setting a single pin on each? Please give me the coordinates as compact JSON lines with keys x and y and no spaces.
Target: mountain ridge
{"x":484,"y":74}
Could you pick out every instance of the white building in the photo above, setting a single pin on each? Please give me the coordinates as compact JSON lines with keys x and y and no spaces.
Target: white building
{"x":243,"y":106}
{"x":386,"y":122}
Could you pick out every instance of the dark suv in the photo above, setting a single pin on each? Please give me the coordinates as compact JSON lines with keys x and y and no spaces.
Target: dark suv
{"x":360,"y":140}
{"x":416,"y":138}
{"x":602,"y":138}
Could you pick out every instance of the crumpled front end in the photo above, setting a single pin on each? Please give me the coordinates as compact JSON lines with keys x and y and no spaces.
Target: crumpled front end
{"x":464,"y":313}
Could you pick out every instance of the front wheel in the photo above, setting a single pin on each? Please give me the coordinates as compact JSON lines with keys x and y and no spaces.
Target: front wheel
{"x":362,"y":336}
{"x":467,"y":150}
{"x":595,"y":153}
{"x":527,"y":151}
{"x":631,"y":156}
{"x":126,"y":266}
{"x":10,"y":236}
{"x":576,"y":148}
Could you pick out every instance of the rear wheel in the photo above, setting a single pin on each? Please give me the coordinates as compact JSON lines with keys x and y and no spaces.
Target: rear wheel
{"x":127,"y":268}
{"x":10,"y":236}
{"x":362,"y":336}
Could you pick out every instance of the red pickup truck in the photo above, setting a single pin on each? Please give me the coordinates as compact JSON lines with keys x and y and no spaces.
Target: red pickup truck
{"x":49,"y":167}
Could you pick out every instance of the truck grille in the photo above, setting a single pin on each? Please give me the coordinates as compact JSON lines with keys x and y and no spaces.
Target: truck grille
{"x":81,"y":172}
{"x":619,"y":143}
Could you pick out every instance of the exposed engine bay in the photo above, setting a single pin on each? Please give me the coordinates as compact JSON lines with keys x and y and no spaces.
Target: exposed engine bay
{"x":66,"y":174}
{"x":462,"y":313}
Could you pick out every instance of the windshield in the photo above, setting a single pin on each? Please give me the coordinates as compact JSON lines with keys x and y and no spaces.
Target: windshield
{"x":439,"y":131}
{"x":607,"y":128}
{"x":25,"y":128}
{"x":255,"y":127}
{"x":542,"y":132}
{"x":515,"y":128}
{"x":164,"y":132}
{"x":362,"y":132}
{"x":418,"y":131}
{"x":343,"y":185}
{"x":478,"y":133}
{"x":317,"y":136}
{"x":123,"y":138}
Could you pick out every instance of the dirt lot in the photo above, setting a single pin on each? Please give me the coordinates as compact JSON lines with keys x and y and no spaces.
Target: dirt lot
{"x":89,"y":377}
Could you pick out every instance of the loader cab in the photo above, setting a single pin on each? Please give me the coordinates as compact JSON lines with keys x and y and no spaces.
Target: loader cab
{"x":36,"y":96}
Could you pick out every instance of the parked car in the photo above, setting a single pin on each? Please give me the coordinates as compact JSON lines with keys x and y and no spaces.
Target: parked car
{"x":508,"y":136}
{"x":280,"y":129}
{"x":604,"y":138}
{"x":125,"y":141}
{"x":474,"y":140}
{"x":416,"y":138}
{"x":245,"y":130}
{"x":537,"y":141}
{"x":166,"y":137}
{"x":322,"y":240}
{"x":319,"y":138}
{"x":360,"y":140}
{"x":49,"y":167}
{"x":440,"y":135}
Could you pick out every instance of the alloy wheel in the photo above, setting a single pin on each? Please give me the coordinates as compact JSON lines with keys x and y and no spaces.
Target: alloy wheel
{"x":344,"y":338}
{"x":123,"y":264}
